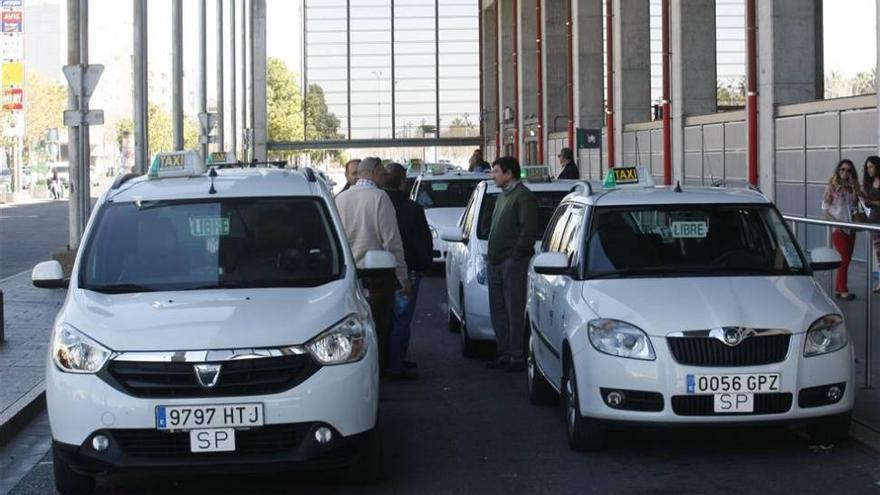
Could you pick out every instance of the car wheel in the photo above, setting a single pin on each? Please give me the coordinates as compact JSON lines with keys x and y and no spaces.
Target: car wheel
{"x":67,"y":481}
{"x":540,"y":392}
{"x":834,"y":429}
{"x":468,"y":346}
{"x":584,"y":434}
{"x":452,"y":322}
{"x":369,"y":467}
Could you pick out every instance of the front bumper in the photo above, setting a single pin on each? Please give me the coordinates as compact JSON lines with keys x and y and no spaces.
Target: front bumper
{"x":277,"y":448}
{"x":344,"y":397}
{"x":598,"y":373}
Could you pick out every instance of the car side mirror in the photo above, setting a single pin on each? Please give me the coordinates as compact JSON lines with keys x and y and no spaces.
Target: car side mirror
{"x":452,"y":234}
{"x":49,"y":275}
{"x":378,"y":263}
{"x":823,"y":258}
{"x":552,"y":263}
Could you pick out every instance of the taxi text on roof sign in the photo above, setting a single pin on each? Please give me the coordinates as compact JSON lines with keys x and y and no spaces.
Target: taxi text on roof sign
{"x":625,"y":175}
{"x":176,"y":164}
{"x":536,"y":173}
{"x":628,"y":176}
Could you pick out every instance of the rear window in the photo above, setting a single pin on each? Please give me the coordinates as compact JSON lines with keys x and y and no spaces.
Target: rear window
{"x":547,"y":203}
{"x":205,"y":244}
{"x":445,"y":193}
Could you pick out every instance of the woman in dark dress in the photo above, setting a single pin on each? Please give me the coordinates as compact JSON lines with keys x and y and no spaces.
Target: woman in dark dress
{"x":871,"y":197}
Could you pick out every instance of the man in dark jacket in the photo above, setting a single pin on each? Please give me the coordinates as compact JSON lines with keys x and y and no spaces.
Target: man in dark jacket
{"x":417,"y":246}
{"x":569,"y":167}
{"x":512,"y":237}
{"x":351,"y":173}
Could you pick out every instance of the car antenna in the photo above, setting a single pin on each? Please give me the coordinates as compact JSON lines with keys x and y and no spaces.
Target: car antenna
{"x":212,"y":174}
{"x":677,"y":186}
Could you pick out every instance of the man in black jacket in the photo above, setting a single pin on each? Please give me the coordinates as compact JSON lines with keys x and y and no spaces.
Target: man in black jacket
{"x":417,"y":246}
{"x":569,"y":166}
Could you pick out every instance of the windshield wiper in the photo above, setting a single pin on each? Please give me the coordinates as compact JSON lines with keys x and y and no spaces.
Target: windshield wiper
{"x":680,"y":270}
{"x":622,"y":272}
{"x":118,"y":288}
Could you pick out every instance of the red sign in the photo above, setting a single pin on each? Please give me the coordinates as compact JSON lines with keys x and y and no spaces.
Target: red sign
{"x":11,"y":21}
{"x":13,"y":99}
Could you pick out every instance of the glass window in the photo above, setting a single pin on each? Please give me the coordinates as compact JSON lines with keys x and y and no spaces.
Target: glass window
{"x":568,"y":243}
{"x":547,"y":201}
{"x":198,"y":244}
{"x":682,"y":240}
{"x":445,"y":193}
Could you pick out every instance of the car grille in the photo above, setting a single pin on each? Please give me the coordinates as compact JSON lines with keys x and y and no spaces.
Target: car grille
{"x":270,"y":439}
{"x":237,"y":377}
{"x":703,"y":405}
{"x":708,"y":351}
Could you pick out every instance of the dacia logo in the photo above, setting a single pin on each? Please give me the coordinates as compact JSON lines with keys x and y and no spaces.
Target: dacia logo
{"x":626,"y":175}
{"x":207,"y":374}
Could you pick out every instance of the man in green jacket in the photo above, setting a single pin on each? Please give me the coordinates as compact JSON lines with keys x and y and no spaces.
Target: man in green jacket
{"x":512,"y":239}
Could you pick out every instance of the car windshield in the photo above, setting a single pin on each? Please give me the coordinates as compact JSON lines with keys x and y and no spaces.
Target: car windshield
{"x":547,"y":203}
{"x":681,"y":240}
{"x":445,"y":193}
{"x":205,"y":244}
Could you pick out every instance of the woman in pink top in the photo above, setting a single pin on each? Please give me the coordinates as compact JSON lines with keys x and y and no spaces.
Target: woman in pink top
{"x":839,"y":203}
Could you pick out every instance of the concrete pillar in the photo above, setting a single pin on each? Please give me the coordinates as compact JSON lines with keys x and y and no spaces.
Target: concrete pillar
{"x":632,"y":67}
{"x":141,"y":96}
{"x":589,"y":81}
{"x":555,"y":58}
{"x":789,"y":66}
{"x":505,"y":67}
{"x":694,"y":80}
{"x":258,"y":30}
{"x":528,"y":67}
{"x":490,"y":65}
{"x":177,"y":73}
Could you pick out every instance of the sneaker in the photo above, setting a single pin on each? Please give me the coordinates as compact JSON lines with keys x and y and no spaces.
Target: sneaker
{"x":498,"y":363}
{"x":404,"y":374}
{"x":846,"y":296}
{"x":515,"y":366}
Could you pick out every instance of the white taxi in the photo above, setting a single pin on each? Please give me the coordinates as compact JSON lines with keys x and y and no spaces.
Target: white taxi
{"x":683,"y":305}
{"x":213,"y":320}
{"x":467,"y":292}
{"x":443,"y":193}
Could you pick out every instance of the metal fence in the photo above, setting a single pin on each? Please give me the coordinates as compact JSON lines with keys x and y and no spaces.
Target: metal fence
{"x":869,"y":269}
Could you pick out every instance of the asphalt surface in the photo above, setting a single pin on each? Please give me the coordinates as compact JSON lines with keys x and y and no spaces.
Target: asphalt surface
{"x":461,"y":428}
{"x":29,"y":233}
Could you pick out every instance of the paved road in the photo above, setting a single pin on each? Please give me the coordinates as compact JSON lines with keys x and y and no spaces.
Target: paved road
{"x":29,"y":232}
{"x":464,"y":429}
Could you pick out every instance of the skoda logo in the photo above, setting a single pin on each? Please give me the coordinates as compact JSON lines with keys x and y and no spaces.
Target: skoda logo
{"x":733,"y":336}
{"x":207,"y":374}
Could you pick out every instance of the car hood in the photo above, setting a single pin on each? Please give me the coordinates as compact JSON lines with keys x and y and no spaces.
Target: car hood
{"x":215,"y":319}
{"x":443,"y":217}
{"x":665,"y":305}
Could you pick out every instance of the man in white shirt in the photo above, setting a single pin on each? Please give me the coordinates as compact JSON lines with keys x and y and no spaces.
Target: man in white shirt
{"x":370,"y":222}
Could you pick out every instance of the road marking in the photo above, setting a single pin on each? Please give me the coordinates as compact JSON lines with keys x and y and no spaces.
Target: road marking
{"x":6,"y":217}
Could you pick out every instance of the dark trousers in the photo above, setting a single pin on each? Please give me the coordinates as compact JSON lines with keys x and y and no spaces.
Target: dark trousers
{"x":507,"y":305}
{"x":380,"y":295}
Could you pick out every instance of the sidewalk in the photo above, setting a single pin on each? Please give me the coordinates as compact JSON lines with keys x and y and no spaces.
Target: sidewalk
{"x":28,"y":313}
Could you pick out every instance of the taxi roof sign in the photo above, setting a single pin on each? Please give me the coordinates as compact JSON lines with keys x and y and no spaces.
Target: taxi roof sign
{"x":618,"y":177}
{"x":176,"y":164}
{"x":436,"y":168}
{"x":221,"y":157}
{"x":536,"y":173}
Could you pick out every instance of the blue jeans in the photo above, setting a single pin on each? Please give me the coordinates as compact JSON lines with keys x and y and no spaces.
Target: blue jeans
{"x":404,"y":309}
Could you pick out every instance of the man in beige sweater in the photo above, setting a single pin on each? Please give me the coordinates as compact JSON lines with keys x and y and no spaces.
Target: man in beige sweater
{"x":370,"y":222}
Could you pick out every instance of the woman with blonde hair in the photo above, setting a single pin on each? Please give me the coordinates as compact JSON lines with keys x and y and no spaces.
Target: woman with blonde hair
{"x":871,"y":197}
{"x":839,"y":203}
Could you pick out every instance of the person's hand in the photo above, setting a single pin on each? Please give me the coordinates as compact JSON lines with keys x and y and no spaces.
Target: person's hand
{"x":406,"y":289}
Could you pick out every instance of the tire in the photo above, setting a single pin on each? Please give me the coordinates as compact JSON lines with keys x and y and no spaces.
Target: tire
{"x":369,"y":467}
{"x":540,"y":392}
{"x":453,"y":324}
{"x":584,"y":434}
{"x":67,"y":481}
{"x":834,"y":429}
{"x":468,"y":345}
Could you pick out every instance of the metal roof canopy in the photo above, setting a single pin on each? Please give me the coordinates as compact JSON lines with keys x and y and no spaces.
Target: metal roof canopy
{"x":332,"y":144}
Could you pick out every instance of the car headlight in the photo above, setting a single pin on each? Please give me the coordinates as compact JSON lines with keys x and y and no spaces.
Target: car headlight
{"x":74,"y":352}
{"x":621,"y":339}
{"x":827,"y":334}
{"x":344,"y":343}
{"x":434,"y":232}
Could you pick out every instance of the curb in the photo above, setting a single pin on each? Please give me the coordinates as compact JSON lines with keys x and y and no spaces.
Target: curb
{"x":20,"y":413}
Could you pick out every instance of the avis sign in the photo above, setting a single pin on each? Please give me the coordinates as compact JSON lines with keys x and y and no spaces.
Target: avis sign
{"x":13,"y":99}
{"x":11,"y":21}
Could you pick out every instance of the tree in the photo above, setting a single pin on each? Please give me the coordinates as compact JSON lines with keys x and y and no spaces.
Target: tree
{"x":320,"y":122}
{"x":731,"y":92}
{"x":461,"y":127}
{"x":160,"y":130}
{"x":284,"y":102}
{"x":44,"y":107}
